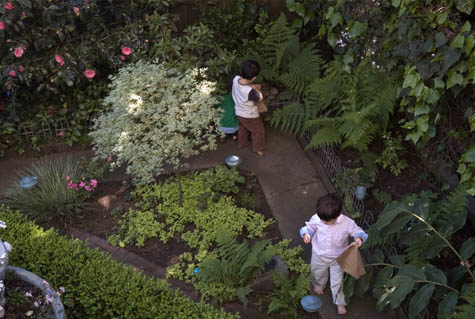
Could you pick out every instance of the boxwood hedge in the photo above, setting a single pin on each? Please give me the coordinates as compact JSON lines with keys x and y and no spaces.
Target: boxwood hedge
{"x":96,"y":286}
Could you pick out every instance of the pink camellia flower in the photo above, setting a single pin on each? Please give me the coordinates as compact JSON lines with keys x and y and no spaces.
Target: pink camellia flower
{"x":9,"y":6}
{"x":59,"y":59}
{"x":12,"y":73}
{"x":89,"y":73}
{"x":82,"y":184}
{"x":93,"y":183}
{"x":126,"y":50}
{"x":19,"y":51}
{"x":76,"y":11}
{"x":20,"y":69}
{"x":122,"y":58}
{"x":88,"y":188}
{"x":2,"y":26}
{"x":68,"y":178}
{"x":75,"y":186}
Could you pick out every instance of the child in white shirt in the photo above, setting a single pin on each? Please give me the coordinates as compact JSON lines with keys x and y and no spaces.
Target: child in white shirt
{"x":328,"y":231}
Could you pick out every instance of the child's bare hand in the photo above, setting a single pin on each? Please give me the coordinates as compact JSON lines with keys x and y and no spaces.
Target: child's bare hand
{"x":358,"y":242}
{"x":306,"y":238}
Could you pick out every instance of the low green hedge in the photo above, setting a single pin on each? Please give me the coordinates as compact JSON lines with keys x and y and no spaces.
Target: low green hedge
{"x":96,"y":286}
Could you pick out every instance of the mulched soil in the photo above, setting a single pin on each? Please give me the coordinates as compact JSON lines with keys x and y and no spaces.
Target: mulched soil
{"x":18,"y":305}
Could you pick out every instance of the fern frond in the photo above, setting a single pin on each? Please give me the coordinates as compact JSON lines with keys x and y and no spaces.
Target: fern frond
{"x":290,"y":118}
{"x":466,"y":311}
{"x":325,"y":136}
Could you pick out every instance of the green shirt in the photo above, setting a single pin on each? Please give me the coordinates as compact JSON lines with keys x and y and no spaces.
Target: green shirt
{"x":228,"y":117}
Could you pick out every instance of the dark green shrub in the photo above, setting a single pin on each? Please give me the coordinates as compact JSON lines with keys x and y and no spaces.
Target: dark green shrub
{"x":96,"y":286}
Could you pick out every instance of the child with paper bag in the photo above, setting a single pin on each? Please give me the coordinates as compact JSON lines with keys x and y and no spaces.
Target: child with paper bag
{"x":328,"y":231}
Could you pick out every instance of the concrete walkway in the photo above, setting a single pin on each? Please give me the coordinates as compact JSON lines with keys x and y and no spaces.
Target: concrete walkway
{"x":291,"y":186}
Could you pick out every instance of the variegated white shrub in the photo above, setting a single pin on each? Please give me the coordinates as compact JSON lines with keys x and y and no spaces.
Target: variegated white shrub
{"x":158,"y":117}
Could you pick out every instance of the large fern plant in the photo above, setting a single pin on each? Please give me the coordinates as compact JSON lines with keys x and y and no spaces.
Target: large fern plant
{"x":235,"y":264}
{"x":285,"y":61}
{"x":344,"y":108}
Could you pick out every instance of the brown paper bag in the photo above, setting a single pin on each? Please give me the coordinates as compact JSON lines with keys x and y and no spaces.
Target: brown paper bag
{"x":351,"y":262}
{"x":261,"y":107}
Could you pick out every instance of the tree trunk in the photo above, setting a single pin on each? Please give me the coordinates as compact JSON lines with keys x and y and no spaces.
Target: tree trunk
{"x":180,"y":190}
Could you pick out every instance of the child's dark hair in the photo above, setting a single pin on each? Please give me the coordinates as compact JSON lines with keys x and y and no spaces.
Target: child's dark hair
{"x":250,"y":69}
{"x":329,"y":207}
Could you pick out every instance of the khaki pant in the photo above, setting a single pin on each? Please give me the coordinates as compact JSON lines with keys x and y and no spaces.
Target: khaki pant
{"x":256,"y":127}
{"x":319,"y":268}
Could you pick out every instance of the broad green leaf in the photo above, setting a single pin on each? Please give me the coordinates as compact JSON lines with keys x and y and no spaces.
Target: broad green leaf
{"x":409,"y":125}
{"x":436,"y":245}
{"x":357,"y":29}
{"x":417,"y":233}
{"x":421,"y":207}
{"x":438,"y":83}
{"x":332,"y":40}
{"x":457,"y":273}
{"x":377,"y":256}
{"x":423,"y":123}
{"x":466,"y":176}
{"x":412,"y":272}
{"x":390,"y":212}
{"x":469,"y":155}
{"x":433,"y":96}
{"x":465,"y":6}
{"x":471,"y":191}
{"x":466,"y":27}
{"x":454,"y":78}
{"x":349,"y":286}
{"x":420,"y":300}
{"x":440,"y":39}
{"x":468,"y":248}
{"x":404,"y":286}
{"x":363,"y":284}
{"x":417,"y":91}
{"x":457,"y":42}
{"x":442,"y":17}
{"x":396,"y":3}
{"x":384,"y":275}
{"x":397,"y":260}
{"x":414,"y":137}
{"x":435,"y":274}
{"x":421,"y":109}
{"x":398,"y":223}
{"x":451,"y":56}
{"x":447,"y":306}
{"x":411,"y":80}
{"x":462,"y":168}
{"x":455,"y":224}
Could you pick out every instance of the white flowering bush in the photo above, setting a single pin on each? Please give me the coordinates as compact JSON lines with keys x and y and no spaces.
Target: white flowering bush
{"x":159,"y":117}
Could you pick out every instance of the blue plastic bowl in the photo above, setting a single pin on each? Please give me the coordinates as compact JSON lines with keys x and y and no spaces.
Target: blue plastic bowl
{"x":311,"y":303}
{"x":28,"y":182}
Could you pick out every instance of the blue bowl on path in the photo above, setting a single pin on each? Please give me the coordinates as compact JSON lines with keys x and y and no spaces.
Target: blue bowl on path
{"x":311,"y":303}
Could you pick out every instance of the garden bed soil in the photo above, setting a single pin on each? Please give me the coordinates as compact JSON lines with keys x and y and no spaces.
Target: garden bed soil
{"x":109,"y":196}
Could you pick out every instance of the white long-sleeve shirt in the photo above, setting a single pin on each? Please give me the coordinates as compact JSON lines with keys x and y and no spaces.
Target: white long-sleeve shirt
{"x":242,"y":105}
{"x":331,"y":240}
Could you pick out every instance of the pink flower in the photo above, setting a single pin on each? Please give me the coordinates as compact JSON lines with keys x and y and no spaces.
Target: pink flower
{"x":82,"y":184}
{"x":36,"y":304}
{"x":12,"y":73}
{"x":61,"y":133}
{"x":76,"y":11}
{"x":75,"y":186}
{"x":88,"y":188}
{"x":28,"y":294}
{"x":20,"y":69}
{"x":9,"y":6}
{"x":19,"y":51}
{"x":59,"y":59}
{"x":93,"y":183}
{"x":62,"y":289}
{"x":2,"y":26}
{"x":109,"y":159}
{"x":122,"y":58}
{"x":126,"y":50}
{"x":87,"y":1}
{"x":68,"y":178}
{"x":89,"y":73}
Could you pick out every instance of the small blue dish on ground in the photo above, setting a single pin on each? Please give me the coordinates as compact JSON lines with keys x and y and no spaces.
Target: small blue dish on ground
{"x":311,"y":303}
{"x":28,"y":182}
{"x":232,"y":161}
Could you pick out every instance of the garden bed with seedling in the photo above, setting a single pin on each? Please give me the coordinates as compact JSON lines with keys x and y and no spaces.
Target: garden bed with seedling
{"x":219,"y":242}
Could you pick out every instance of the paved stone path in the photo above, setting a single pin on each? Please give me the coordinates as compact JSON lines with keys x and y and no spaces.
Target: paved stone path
{"x":291,"y":183}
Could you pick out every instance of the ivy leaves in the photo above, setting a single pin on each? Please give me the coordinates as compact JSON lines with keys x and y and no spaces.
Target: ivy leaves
{"x":465,"y":6}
